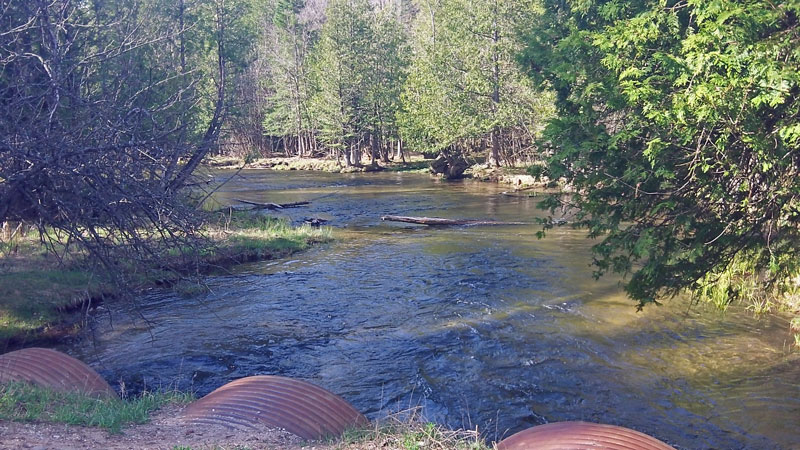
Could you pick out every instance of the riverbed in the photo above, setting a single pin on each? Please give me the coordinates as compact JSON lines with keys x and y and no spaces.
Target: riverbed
{"x":477,"y":326}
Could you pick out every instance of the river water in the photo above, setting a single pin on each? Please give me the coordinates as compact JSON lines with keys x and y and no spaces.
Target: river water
{"x":478,"y":326}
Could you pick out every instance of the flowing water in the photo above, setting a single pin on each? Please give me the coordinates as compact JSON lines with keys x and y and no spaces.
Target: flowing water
{"x":479,"y":326}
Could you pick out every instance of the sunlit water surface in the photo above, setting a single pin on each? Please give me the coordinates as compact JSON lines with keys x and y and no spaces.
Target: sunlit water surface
{"x":484,"y":326}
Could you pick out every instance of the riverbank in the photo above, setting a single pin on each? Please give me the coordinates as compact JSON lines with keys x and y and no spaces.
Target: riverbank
{"x":414,"y":163}
{"x":32,"y":417}
{"x":44,"y":296}
{"x":417,"y":163}
{"x":163,"y":433}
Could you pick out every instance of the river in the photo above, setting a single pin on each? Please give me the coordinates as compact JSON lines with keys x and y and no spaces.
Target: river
{"x":478,"y":326}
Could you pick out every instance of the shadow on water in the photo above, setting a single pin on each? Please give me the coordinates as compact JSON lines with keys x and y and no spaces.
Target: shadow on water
{"x":480,"y":326}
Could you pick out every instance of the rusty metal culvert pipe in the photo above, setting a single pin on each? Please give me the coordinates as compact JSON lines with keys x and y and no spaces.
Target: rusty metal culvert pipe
{"x":54,"y":370}
{"x":299,"y":407}
{"x":580,"y":436}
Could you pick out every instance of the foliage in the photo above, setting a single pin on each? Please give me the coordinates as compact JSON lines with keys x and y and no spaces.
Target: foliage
{"x":464,"y":86}
{"x":108,"y":107}
{"x":357,"y":71}
{"x":678,"y":128}
{"x":289,"y":39}
{"x":340,"y":72}
{"x":24,"y":402}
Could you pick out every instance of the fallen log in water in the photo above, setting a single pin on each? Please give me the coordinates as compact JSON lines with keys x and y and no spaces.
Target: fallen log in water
{"x":441,"y":221}
{"x":272,"y":205}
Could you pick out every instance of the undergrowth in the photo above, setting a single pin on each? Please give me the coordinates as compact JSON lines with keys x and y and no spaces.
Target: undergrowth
{"x":740,"y":281}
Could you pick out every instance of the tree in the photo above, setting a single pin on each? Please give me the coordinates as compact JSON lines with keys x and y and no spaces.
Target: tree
{"x":288,"y":42}
{"x":388,"y":60}
{"x":678,"y":128}
{"x":341,"y":76}
{"x":465,"y":86}
{"x":104,"y":119}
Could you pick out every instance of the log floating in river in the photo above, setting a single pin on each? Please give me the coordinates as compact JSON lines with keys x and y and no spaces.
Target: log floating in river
{"x":441,"y":221}
{"x":273,"y":205}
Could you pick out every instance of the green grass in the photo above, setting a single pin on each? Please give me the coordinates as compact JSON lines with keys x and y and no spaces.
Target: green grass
{"x":27,"y":403}
{"x":246,"y":237}
{"x":31,"y":299}
{"x":37,"y":289}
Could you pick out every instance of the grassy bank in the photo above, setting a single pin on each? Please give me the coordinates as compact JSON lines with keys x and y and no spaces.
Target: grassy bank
{"x":242,"y":237}
{"x":26,"y":403}
{"x":39,"y":294}
{"x":42,"y":296}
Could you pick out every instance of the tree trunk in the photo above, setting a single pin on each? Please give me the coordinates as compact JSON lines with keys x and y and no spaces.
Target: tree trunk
{"x":495,"y":86}
{"x":495,"y":156}
{"x":384,"y":149}
{"x":373,"y":141}
{"x":182,"y":24}
{"x":356,"y":154}
{"x":212,"y":132}
{"x":347,"y":150}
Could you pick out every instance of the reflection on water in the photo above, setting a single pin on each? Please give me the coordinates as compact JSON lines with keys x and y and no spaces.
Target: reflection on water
{"x":483,"y":326}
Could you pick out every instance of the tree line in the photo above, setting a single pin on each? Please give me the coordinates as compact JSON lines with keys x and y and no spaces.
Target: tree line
{"x":352,"y":79}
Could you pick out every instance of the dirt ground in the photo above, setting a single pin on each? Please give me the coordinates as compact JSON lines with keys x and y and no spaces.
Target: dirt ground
{"x":163,"y":432}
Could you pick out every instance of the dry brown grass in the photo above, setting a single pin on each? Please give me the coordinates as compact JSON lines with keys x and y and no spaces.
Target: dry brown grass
{"x":408,"y":430}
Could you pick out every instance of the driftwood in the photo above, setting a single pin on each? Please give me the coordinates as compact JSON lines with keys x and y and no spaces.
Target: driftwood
{"x":272,"y":205}
{"x":440,"y":221}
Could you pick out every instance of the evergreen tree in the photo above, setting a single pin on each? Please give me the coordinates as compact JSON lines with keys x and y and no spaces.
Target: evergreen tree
{"x":287,"y":45}
{"x":678,"y":127}
{"x":357,"y":72}
{"x":465,"y":86}
{"x":388,"y":61}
